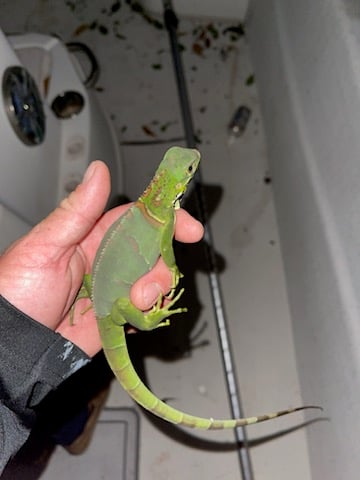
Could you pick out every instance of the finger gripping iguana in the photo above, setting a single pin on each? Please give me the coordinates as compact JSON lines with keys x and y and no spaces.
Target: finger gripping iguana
{"x":129,"y":249}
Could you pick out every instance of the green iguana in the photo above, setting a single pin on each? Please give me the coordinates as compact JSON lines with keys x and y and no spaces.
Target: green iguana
{"x":129,"y":249}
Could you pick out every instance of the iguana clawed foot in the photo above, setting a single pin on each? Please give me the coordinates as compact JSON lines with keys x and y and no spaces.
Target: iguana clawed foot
{"x":165,"y":310}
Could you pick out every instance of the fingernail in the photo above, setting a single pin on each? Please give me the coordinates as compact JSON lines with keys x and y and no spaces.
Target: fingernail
{"x":89,"y":172}
{"x":151,"y":293}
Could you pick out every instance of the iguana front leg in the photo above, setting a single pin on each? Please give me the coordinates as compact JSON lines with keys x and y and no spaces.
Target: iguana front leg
{"x":167,"y":251}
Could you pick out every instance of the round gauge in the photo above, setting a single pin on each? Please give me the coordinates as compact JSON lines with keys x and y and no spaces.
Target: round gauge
{"x":23,"y":105}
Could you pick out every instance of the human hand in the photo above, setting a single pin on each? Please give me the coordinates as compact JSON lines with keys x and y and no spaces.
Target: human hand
{"x":41,"y":273}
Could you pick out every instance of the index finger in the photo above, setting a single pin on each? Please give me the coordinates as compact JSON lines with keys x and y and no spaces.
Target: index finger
{"x":187,"y":228}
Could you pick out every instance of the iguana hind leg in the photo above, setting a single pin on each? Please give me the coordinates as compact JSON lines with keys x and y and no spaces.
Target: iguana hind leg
{"x":123,"y":311}
{"x":84,"y":292}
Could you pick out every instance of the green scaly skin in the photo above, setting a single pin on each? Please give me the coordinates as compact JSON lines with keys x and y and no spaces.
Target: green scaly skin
{"x":130,"y":248}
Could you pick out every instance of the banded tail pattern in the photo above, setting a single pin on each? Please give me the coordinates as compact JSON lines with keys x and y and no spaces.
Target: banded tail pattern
{"x":119,"y":361}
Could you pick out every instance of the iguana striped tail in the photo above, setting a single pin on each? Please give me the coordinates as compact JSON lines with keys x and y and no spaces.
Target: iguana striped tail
{"x":116,"y":352}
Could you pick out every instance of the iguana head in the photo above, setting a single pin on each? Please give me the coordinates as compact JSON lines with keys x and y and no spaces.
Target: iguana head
{"x":170,"y":181}
{"x":175,"y":172}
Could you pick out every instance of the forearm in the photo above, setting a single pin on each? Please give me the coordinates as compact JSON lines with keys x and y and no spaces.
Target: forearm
{"x":33,"y":361}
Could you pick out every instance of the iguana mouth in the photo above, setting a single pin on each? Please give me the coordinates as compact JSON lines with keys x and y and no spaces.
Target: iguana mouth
{"x":180,"y":195}
{"x":178,"y":200}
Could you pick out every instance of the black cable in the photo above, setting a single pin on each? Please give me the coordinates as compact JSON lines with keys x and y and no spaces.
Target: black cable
{"x":171,"y":23}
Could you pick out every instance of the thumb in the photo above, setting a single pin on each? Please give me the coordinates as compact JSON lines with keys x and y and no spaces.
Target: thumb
{"x":73,"y":219}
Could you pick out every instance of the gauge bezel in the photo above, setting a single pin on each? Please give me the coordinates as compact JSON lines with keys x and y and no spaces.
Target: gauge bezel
{"x":23,"y":105}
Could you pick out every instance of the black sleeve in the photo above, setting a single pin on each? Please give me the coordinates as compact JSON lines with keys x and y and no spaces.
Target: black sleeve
{"x":33,"y":361}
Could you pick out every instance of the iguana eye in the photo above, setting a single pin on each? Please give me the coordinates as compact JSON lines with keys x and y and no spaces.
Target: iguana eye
{"x":190,"y":169}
